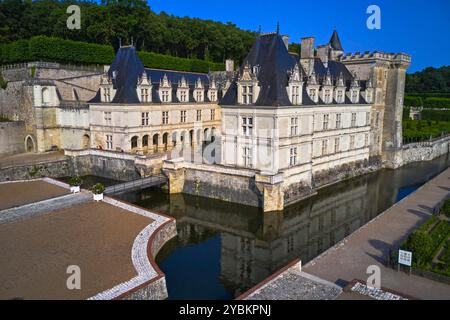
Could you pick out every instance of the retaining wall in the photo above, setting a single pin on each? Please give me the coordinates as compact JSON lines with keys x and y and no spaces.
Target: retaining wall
{"x":425,"y":151}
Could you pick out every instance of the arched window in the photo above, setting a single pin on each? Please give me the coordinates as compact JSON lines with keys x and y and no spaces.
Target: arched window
{"x":45,"y":96}
{"x":134,"y":142}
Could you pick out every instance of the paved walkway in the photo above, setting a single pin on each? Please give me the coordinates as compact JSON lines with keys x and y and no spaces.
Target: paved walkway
{"x":14,"y":194}
{"x":96,"y":237}
{"x":30,"y":158}
{"x":370,"y":245}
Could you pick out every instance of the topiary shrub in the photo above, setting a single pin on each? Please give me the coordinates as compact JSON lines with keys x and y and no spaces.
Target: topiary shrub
{"x":98,"y":188}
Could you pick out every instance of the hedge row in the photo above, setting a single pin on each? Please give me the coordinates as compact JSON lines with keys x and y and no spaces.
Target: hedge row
{"x":421,"y":130}
{"x":68,"y":51}
{"x":428,"y":102}
{"x":438,"y":115}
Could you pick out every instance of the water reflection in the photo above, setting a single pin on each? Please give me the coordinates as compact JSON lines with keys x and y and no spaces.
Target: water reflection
{"x":223,"y":249}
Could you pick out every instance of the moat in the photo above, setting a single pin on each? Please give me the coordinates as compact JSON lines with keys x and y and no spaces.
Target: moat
{"x":222,"y":249}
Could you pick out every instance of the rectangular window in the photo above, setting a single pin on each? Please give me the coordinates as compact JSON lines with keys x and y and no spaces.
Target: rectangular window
{"x":199,"y":96}
{"x":340,"y":96}
{"x":213,"y":114}
{"x":107,"y":94}
{"x":183,"y":116}
{"x":247,"y":94}
{"x":165,"y":117}
{"x":366,"y":140}
{"x":213,"y":96}
{"x":247,"y":156}
{"x":199,"y":115}
{"x":338,"y":121}
{"x":324,"y":147}
{"x":145,"y":118}
{"x":165,"y":96}
{"x":353,"y":120}
{"x":109,"y":142}
{"x":327,"y":96}
{"x":183,"y":96}
{"x":293,"y":157}
{"x":312,"y":94}
{"x":108,"y":117}
{"x":337,"y":142}
{"x":352,"y":142}
{"x":294,"y":126}
{"x":295,"y":93}
{"x":367,"y":118}
{"x":144,"y":95}
{"x":354,"y":96}
{"x":326,"y":117}
{"x":247,"y":126}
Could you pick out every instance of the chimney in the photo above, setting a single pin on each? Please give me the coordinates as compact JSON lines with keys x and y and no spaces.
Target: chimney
{"x":307,"y":48}
{"x":286,"y":41}
{"x":322,"y":53}
{"x":229,"y":65}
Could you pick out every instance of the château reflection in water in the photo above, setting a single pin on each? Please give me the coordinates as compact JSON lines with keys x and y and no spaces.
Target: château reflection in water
{"x":222,"y":248}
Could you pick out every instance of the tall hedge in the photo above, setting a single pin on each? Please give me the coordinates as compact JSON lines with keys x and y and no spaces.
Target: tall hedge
{"x":413,"y":101}
{"x":440,"y":103}
{"x":76,"y":52}
{"x":438,"y":115}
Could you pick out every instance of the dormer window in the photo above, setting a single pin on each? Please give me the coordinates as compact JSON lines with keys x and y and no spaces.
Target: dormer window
{"x":295,"y":86}
{"x":312,"y":94}
{"x":354,"y":96}
{"x":165,"y":95}
{"x":340,"y":96}
{"x":327,"y":96}
{"x":183,"y":90}
{"x":165,"y":89}
{"x":183,"y":96}
{"x":144,"y":95}
{"x":248,"y":88}
{"x":247,"y":94}
{"x":213,"y":96}
{"x":107,"y":94}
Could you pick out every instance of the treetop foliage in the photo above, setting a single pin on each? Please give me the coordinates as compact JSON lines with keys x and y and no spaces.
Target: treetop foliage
{"x":112,"y":21}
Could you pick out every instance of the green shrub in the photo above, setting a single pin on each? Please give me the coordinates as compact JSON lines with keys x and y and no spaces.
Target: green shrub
{"x":68,"y":51}
{"x":442,"y":115}
{"x":3,"y":82}
{"x":98,"y":188}
{"x":75,"y":181}
{"x":411,"y":101}
{"x":421,"y":245}
{"x":434,"y":102}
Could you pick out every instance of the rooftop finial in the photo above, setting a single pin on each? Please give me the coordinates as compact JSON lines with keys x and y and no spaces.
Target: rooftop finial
{"x":278,"y":27}
{"x":259,"y":30}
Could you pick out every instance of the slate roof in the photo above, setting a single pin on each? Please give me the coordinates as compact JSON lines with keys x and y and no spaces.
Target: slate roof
{"x":127,"y":68}
{"x":270,"y":54}
{"x":335,"y":42}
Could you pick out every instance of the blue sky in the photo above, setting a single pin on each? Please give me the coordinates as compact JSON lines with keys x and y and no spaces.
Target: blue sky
{"x":417,"y":27}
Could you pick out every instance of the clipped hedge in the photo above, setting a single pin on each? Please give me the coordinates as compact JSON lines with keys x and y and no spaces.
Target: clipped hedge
{"x":68,"y":51}
{"x":435,"y":102}
{"x":413,"y":101}
{"x":437,"y":115}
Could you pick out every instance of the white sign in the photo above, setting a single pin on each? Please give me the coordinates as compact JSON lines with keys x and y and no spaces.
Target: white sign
{"x":405,"y":258}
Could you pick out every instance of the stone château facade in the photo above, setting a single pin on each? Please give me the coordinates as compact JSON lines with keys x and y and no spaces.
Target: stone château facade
{"x":283,"y":124}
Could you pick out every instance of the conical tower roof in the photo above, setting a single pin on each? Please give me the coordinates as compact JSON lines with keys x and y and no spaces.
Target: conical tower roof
{"x":335,"y":42}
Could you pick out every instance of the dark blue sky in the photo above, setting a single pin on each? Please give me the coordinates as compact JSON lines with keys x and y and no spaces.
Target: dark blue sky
{"x":417,"y":27}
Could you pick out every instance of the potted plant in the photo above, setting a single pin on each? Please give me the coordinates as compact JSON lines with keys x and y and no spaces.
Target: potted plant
{"x":98,"y":190}
{"x":75,"y":183}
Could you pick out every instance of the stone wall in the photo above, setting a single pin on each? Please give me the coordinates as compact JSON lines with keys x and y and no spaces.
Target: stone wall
{"x":54,"y":169}
{"x":425,"y":151}
{"x":225,"y":185}
{"x":12,"y":137}
{"x":346,"y":171}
